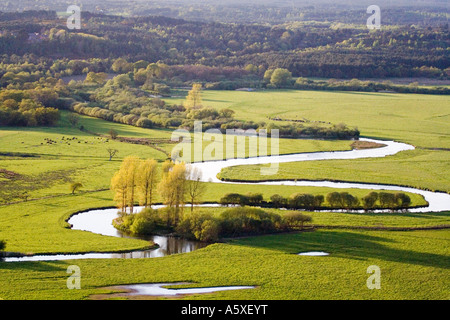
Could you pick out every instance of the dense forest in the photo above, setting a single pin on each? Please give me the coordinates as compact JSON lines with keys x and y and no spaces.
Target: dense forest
{"x":307,"y":50}
{"x":118,"y":68}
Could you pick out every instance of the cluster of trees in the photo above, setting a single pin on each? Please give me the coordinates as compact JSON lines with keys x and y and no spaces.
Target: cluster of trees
{"x":274,"y":13}
{"x":134,"y":106}
{"x":238,"y":222}
{"x":209,"y":227}
{"x":278,"y":78}
{"x":266,"y":12}
{"x":335,"y":200}
{"x":119,"y":101}
{"x":295,"y":129}
{"x":149,"y":55}
{"x":30,"y":107}
{"x":138,"y":180}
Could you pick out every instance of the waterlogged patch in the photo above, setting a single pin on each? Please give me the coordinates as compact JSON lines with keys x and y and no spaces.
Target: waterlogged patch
{"x":314,"y":253}
{"x":158,"y":289}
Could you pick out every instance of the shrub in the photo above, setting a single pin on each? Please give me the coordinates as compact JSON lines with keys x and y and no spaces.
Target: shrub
{"x":402,"y":200}
{"x":144,"y":123}
{"x":254,"y":198}
{"x":198,"y":226}
{"x":301,"y":200}
{"x":278,"y":201}
{"x":334,"y":199}
{"x":348,"y":201}
{"x":318,"y":200}
{"x":209,"y":231}
{"x":234,"y":199}
{"x":246,"y":220}
{"x":293,"y":220}
{"x":369,"y":201}
{"x":142,"y":225}
{"x":387,"y":200}
{"x":113,"y":134}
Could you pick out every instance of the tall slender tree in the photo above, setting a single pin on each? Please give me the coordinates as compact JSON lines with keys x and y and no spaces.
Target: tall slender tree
{"x":194,"y":186}
{"x":119,"y":187}
{"x":194,"y":98}
{"x":124,"y":183}
{"x":148,"y":170}
{"x":172,"y":189}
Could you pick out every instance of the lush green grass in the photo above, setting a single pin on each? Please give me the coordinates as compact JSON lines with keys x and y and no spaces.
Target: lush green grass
{"x":355,"y":220}
{"x":52,"y":167}
{"x":245,"y":147}
{"x":40,"y":227}
{"x":414,"y":265}
{"x":408,"y":260}
{"x":421,"y":120}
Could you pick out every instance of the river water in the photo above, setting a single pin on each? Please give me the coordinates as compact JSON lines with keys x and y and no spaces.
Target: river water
{"x":100,"y":221}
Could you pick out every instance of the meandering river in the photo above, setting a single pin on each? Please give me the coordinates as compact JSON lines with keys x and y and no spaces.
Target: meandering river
{"x":100,"y":221}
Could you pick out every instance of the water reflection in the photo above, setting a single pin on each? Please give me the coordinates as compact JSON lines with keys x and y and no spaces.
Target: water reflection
{"x":167,"y":245}
{"x":100,"y":221}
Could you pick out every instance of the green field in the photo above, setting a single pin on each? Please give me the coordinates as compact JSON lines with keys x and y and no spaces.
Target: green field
{"x":408,"y":260}
{"x":414,"y":265}
{"x":420,"y":120}
{"x":56,"y":165}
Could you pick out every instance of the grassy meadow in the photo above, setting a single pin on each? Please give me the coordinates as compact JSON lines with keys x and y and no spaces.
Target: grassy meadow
{"x":35,"y":202}
{"x":420,"y":120}
{"x":414,"y":265}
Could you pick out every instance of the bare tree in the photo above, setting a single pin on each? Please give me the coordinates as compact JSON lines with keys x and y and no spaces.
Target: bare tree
{"x":195,"y":188}
{"x":112,"y":153}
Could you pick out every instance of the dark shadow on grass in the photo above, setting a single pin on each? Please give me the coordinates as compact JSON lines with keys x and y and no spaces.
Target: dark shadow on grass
{"x":216,"y":100}
{"x":372,"y":94}
{"x":344,"y":244}
{"x":48,"y":266}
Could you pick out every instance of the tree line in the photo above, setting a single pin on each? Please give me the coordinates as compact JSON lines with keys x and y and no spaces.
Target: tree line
{"x":210,"y":227}
{"x":333,"y":200}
